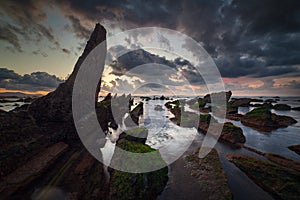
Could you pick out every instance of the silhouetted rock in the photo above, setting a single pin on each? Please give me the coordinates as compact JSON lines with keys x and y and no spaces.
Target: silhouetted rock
{"x":270,"y":101}
{"x":227,"y":95}
{"x":296,"y":108}
{"x":28,"y":159}
{"x":295,"y":148}
{"x":53,"y":112}
{"x":282,"y":107}
{"x":243,"y":102}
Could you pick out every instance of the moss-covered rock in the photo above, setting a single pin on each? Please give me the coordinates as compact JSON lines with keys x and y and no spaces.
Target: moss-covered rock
{"x":137,"y":186}
{"x":262,"y":119}
{"x":281,"y":182}
{"x":138,"y":134}
{"x":125,"y":185}
{"x":209,"y":175}
{"x":232,"y":134}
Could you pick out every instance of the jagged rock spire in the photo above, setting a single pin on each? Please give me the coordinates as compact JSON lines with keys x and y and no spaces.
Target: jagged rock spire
{"x":53,"y":112}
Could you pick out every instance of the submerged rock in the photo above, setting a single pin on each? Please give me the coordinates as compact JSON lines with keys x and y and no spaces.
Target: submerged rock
{"x":158,"y":108}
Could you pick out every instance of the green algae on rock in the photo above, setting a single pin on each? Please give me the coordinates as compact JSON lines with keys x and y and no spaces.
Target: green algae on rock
{"x":280,"y":181}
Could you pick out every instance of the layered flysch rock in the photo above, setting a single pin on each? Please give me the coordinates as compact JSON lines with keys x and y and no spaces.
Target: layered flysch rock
{"x":38,"y":155}
{"x":53,"y":112}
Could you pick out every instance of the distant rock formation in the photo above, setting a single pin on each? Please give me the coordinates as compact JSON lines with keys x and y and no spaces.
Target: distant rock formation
{"x":263,"y":119}
{"x":53,"y":112}
{"x":207,"y":98}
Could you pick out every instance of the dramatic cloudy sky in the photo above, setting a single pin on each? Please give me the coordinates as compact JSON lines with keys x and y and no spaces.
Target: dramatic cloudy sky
{"x":255,"y":44}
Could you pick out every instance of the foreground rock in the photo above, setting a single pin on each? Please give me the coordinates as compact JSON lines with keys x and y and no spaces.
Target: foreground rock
{"x":31,"y":170}
{"x":262,"y":119}
{"x":125,"y":185}
{"x":295,"y":148}
{"x":209,"y":175}
{"x":40,"y":146}
{"x":279,"y":181}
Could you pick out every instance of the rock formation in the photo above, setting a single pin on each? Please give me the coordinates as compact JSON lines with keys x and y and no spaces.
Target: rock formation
{"x":207,"y":98}
{"x":53,"y":112}
{"x":262,"y":119}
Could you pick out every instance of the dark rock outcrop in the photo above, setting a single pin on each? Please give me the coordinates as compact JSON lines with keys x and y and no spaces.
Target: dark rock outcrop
{"x":210,"y":176}
{"x":270,"y":101}
{"x":296,"y":108}
{"x":30,"y":171}
{"x":262,"y":119}
{"x":295,"y":148}
{"x":242,"y":102}
{"x":53,"y":112}
{"x":281,"y":107}
{"x":138,"y":134}
{"x":37,"y":147}
{"x":125,"y":185}
{"x":278,"y":180}
{"x":232,"y":134}
{"x":207,"y":98}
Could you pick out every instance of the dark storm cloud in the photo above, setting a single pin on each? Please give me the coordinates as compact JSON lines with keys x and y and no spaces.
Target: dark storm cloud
{"x":40,"y":52}
{"x":28,"y":19}
{"x":136,"y":58}
{"x":268,"y":31}
{"x":79,"y":30}
{"x":245,"y":38}
{"x":35,"y":81}
{"x":8,"y":74}
{"x":66,"y":51}
{"x":10,"y":37}
{"x":185,"y":70}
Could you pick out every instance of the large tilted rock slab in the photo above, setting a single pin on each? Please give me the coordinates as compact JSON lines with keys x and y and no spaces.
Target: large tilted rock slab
{"x":32,"y":169}
{"x":54,"y":111}
{"x":273,"y":176}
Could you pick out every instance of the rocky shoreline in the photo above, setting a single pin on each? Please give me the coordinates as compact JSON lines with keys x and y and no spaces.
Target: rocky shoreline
{"x":42,"y":155}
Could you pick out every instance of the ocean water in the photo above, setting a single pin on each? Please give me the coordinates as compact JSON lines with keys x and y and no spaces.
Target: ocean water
{"x":172,"y":141}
